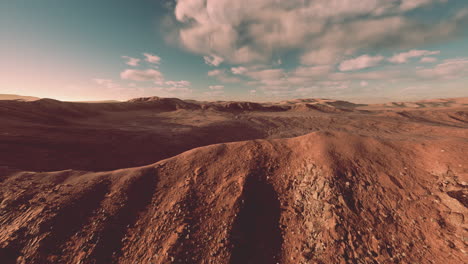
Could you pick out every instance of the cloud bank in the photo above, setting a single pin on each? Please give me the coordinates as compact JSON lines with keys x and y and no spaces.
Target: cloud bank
{"x":322,"y":31}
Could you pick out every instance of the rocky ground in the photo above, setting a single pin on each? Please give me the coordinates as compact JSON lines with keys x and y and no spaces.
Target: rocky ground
{"x":302,"y":181}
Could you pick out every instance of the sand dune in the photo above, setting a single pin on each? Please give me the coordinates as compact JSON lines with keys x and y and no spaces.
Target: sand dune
{"x":305,"y":181}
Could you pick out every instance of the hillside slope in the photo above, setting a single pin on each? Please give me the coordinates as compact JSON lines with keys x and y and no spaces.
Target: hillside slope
{"x":326,"y":197}
{"x":50,"y":135}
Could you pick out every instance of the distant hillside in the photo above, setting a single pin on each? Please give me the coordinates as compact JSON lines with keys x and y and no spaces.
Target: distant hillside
{"x":18,"y":97}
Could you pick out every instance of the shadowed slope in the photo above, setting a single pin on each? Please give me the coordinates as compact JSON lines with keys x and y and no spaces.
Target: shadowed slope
{"x":256,"y":235}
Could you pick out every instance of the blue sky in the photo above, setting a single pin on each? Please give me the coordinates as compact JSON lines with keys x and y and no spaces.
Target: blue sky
{"x":373,"y":50}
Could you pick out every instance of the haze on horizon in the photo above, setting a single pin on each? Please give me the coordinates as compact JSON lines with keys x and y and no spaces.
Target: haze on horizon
{"x":235,"y":50}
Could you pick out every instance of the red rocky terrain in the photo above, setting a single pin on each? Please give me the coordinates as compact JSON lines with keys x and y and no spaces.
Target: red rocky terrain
{"x":157,"y":180}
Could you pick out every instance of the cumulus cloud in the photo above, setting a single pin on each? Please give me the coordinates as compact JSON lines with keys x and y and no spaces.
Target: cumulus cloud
{"x":178,"y":83}
{"x":215,"y":72}
{"x":239,"y":70}
{"x":223,"y":76}
{"x":216,"y":87}
{"x":164,"y":87}
{"x":323,"y":31}
{"x":213,"y":60}
{"x":315,"y":80}
{"x":131,"y":61}
{"x":405,"y":56}
{"x":151,"y":58}
{"x":361,"y":62}
{"x":448,"y":69}
{"x":142,"y":75}
{"x":307,"y":79}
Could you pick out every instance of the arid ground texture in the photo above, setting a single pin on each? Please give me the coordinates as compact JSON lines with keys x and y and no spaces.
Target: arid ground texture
{"x":163,"y":180}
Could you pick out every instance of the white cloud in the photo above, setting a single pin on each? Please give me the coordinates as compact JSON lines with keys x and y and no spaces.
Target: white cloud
{"x":213,"y":60}
{"x":428,"y":60}
{"x":151,"y":58}
{"x":131,"y":61}
{"x":239,"y":70}
{"x":323,"y":31}
{"x":216,"y":87}
{"x":215,"y":72}
{"x":448,"y":69}
{"x":321,"y":80}
{"x":178,"y":83}
{"x":142,"y":75}
{"x":361,"y":62}
{"x":224,"y":77}
{"x":405,"y":56}
{"x":175,"y":89}
{"x":407,"y":5}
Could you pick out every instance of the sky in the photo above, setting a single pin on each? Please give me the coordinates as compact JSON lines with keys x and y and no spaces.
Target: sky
{"x":262,"y":50}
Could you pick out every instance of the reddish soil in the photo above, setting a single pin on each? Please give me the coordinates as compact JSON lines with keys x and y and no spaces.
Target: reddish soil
{"x":302,"y":181}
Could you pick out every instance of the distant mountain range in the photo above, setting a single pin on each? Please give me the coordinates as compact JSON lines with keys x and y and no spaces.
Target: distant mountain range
{"x":18,"y":97}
